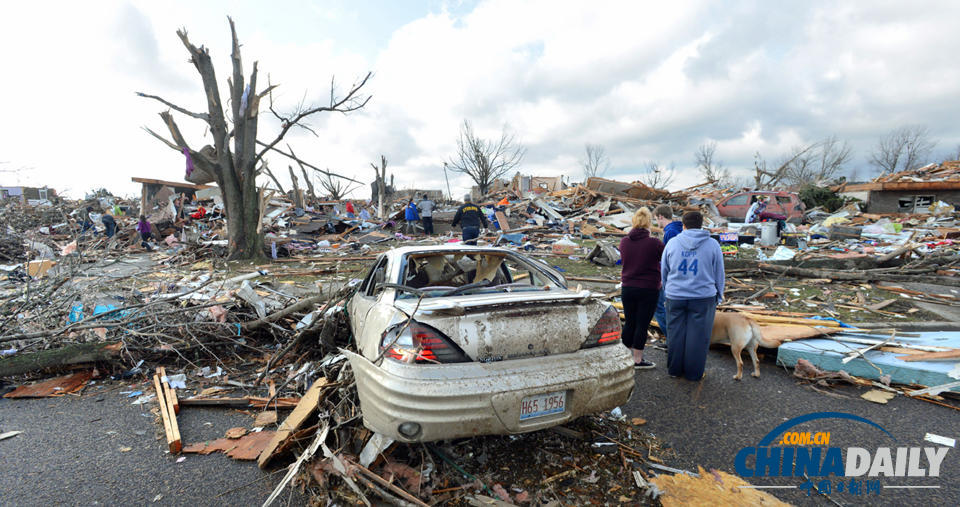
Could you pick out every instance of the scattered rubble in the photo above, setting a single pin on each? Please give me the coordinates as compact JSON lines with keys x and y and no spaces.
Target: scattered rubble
{"x":193,"y":330}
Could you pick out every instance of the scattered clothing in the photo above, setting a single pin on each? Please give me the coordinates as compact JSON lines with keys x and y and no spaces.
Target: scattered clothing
{"x":200,"y":213}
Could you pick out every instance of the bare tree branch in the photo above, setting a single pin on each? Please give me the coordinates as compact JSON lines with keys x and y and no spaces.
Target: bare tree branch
{"x":336,"y":188}
{"x":902,"y":149}
{"x":595,"y":161}
{"x":820,"y":164}
{"x":171,"y":105}
{"x":710,"y":169}
{"x":266,"y":168}
{"x":657,"y":176}
{"x":486,"y":161}
{"x":350,"y":102}
{"x":311,"y":166}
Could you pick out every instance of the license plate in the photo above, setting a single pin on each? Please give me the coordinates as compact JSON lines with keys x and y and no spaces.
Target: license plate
{"x":540,"y":405}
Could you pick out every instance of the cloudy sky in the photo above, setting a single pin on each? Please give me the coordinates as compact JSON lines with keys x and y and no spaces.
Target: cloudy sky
{"x":650,"y":81}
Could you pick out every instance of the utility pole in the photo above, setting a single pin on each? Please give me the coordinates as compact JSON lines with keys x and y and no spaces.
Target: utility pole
{"x":449,"y":194}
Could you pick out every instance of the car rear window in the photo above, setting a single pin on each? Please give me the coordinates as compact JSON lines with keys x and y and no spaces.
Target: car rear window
{"x":737,"y":200}
{"x":438,"y":273}
{"x":783,"y":199}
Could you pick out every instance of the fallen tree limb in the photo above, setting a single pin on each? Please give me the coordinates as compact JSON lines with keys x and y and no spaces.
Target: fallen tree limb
{"x":296,"y":307}
{"x":70,"y":354}
{"x":893,"y":275}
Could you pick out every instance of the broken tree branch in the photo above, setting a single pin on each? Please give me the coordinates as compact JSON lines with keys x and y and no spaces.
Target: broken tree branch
{"x":171,"y":105}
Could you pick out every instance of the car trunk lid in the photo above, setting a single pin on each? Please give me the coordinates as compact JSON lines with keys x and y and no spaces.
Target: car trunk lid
{"x":495,"y":327}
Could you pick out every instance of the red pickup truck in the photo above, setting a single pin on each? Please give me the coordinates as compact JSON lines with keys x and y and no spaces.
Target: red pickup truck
{"x":734,"y":207}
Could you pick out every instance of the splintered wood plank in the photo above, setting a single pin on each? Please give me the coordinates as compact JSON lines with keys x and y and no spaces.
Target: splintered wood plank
{"x":783,"y":333}
{"x":54,"y":387}
{"x":246,"y":448}
{"x":927,"y":356}
{"x":711,"y":488}
{"x":502,"y":220}
{"x":172,"y":400}
{"x":303,"y":410}
{"x":169,"y":420}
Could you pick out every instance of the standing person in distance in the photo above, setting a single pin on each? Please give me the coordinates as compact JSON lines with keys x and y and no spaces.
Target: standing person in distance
{"x":109,"y":223}
{"x":640,"y":287}
{"x":470,"y":219}
{"x":411,"y":216}
{"x":693,"y":276}
{"x":146,"y":231}
{"x":663,"y":214}
{"x":426,"y":214}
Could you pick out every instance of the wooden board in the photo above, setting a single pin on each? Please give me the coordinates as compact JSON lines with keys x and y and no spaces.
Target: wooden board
{"x":927,"y":356}
{"x":54,"y":387}
{"x":304,"y":409}
{"x":247,"y":447}
{"x":171,"y":393}
{"x":502,"y":221}
{"x":711,"y":488}
{"x":169,"y":419}
{"x":780,"y":334}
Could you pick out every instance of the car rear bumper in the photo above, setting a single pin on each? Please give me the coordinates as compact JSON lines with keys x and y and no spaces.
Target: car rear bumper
{"x":470,"y":399}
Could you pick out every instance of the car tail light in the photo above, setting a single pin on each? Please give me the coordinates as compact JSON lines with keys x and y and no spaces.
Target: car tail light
{"x":606,"y":331}
{"x":420,"y":343}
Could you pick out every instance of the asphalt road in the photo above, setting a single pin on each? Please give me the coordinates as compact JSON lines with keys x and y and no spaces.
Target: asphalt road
{"x":73,"y":449}
{"x":707,"y":422}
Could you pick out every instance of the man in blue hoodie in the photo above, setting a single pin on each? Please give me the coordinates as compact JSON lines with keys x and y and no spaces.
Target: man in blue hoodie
{"x":692,"y":276}
{"x":663,"y":215}
{"x":411,"y":216}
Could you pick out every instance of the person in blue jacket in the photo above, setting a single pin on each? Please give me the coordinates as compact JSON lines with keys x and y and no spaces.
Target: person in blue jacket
{"x":692,"y":276}
{"x":663,"y":215}
{"x":412,"y":216}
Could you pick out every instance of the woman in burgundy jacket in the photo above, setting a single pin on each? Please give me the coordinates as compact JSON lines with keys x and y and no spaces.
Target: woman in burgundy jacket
{"x":640,"y":254}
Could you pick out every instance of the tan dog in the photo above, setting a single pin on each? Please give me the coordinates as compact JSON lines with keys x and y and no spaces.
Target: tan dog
{"x":740,"y":333}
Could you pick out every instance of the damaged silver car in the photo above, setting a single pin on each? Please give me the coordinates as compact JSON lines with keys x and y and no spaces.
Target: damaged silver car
{"x":458,"y":341}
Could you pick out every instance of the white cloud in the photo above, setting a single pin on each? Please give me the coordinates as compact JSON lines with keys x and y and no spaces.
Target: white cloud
{"x":650,"y":81}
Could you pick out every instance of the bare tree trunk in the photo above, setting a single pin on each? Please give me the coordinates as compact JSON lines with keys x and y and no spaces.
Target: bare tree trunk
{"x":235,"y":170}
{"x":306,"y":177}
{"x":297,"y":196}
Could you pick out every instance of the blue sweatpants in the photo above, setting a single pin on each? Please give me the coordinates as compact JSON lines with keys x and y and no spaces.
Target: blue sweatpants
{"x":661,"y":312}
{"x":690,"y":322}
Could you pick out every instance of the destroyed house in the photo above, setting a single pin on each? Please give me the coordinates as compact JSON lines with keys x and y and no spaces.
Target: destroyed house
{"x":156,"y":197}
{"x":415,"y":194}
{"x":539,"y":184}
{"x":26,"y":193}
{"x":914,"y":191}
